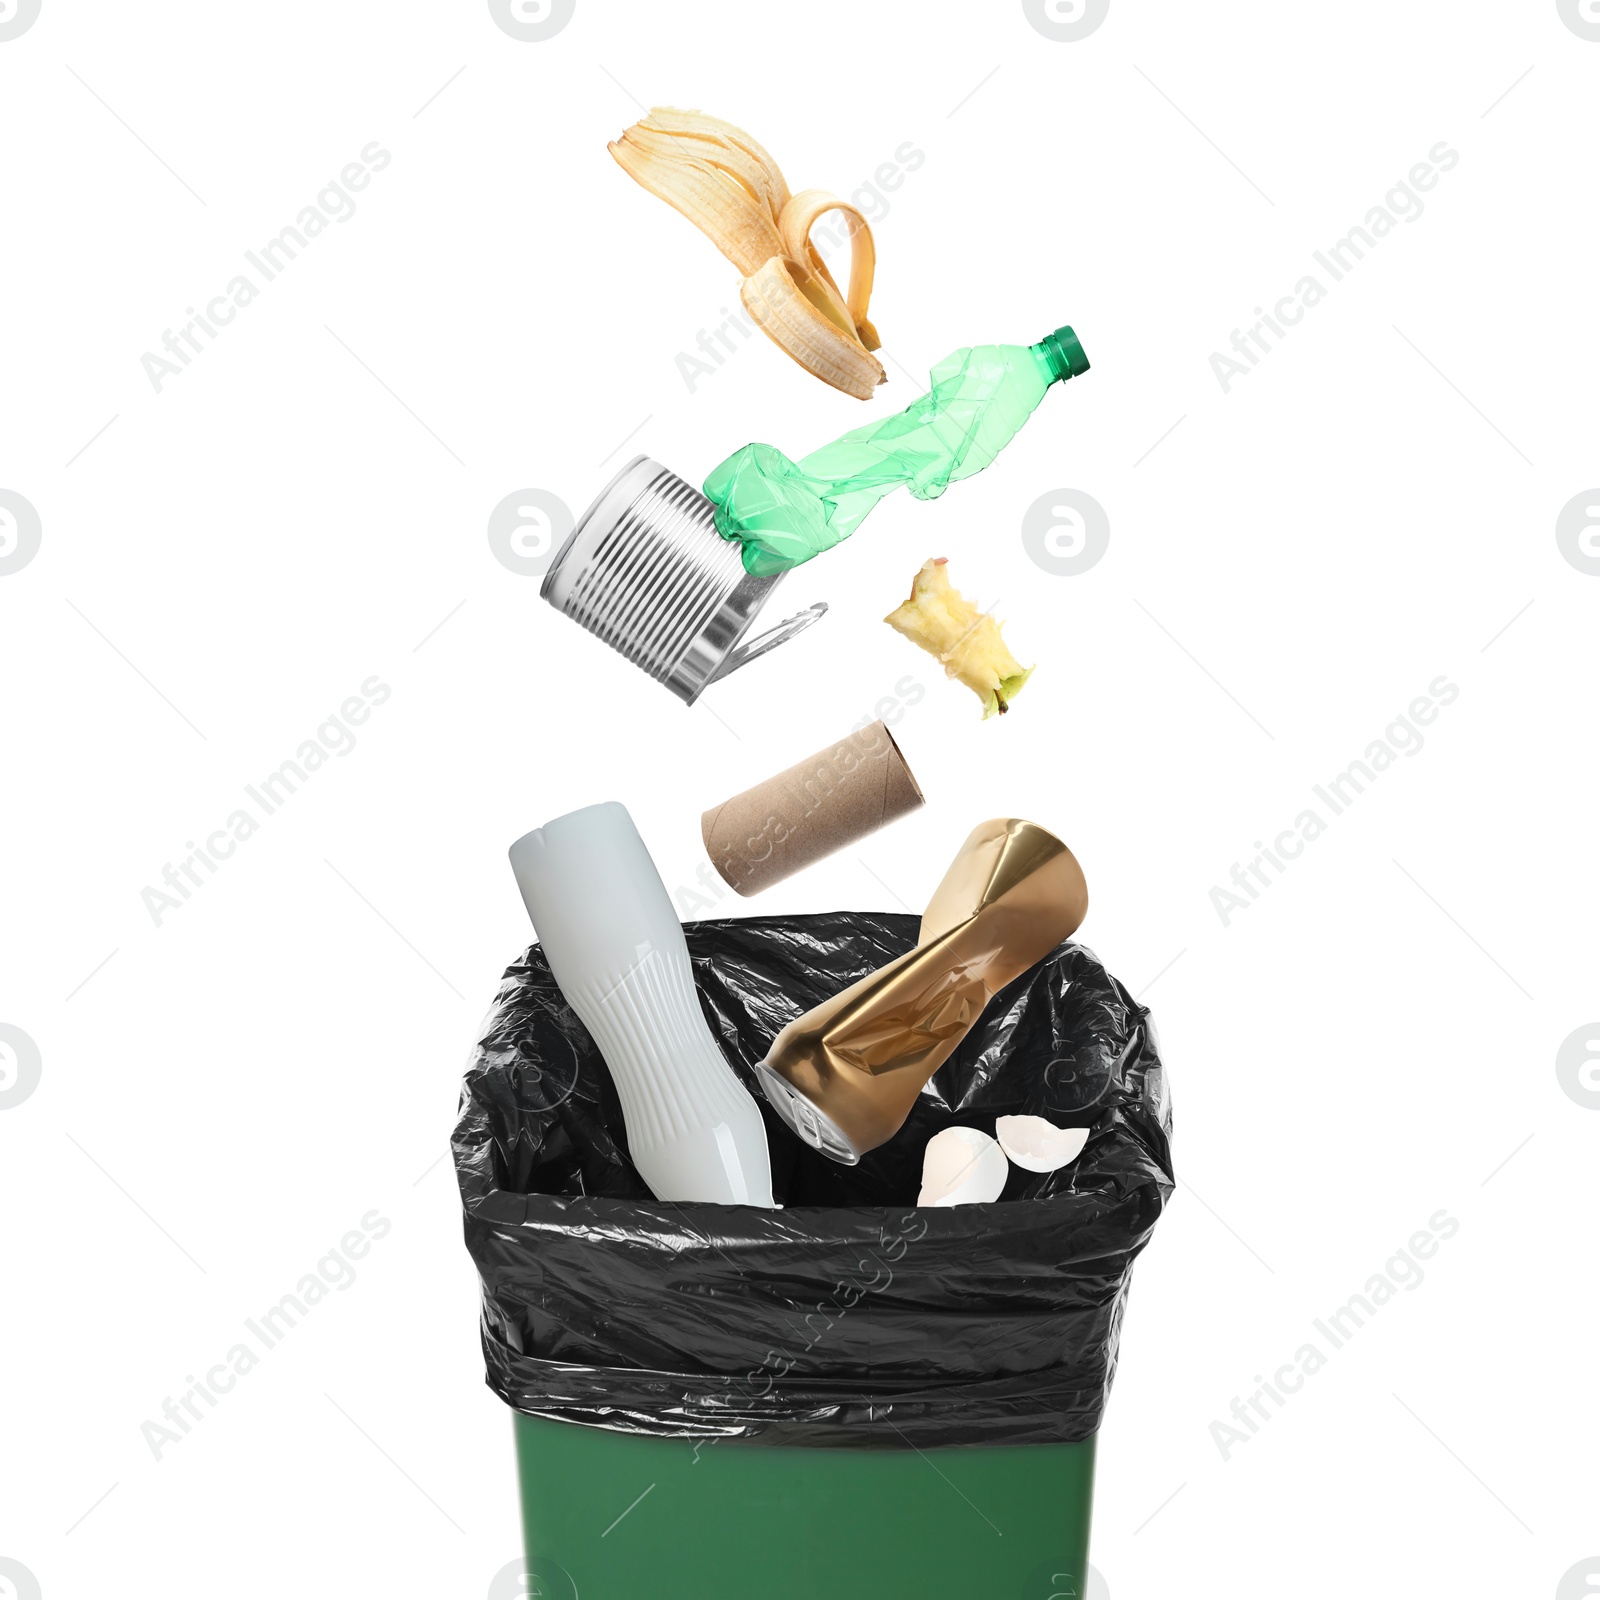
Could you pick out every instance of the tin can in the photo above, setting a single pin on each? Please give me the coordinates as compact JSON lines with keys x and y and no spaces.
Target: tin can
{"x":646,"y":571}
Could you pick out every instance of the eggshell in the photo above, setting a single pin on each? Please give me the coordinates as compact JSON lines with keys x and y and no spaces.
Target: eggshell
{"x":1037,"y":1145}
{"x":962,"y":1166}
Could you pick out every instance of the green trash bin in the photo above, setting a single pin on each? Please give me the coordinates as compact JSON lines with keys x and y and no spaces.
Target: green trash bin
{"x":618,"y":1516}
{"x":848,"y":1397}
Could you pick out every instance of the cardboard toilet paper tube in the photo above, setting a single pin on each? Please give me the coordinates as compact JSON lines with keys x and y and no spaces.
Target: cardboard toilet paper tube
{"x":817,"y":806}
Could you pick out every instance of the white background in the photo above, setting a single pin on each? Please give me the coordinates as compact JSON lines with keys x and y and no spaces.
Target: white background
{"x":224,"y":1096}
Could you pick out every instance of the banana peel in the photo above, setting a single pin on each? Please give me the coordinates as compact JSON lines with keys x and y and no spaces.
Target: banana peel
{"x":725,"y":183}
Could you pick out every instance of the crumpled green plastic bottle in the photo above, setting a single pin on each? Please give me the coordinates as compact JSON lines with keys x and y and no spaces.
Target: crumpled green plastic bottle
{"x":785,"y":512}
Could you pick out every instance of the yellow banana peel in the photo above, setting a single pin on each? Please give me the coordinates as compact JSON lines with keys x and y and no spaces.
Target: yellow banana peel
{"x":725,"y":183}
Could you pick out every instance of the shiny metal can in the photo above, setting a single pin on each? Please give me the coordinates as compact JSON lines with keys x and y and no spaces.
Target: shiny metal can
{"x":646,"y":571}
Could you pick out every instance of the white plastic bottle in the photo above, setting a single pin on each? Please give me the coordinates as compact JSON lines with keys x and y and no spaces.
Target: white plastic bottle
{"x":616,"y":948}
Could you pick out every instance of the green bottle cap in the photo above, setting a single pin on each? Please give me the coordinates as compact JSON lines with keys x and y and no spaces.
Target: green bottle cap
{"x":1062,"y":354}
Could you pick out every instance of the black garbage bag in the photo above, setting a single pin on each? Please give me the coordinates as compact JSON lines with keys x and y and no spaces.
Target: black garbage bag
{"x":849,"y":1317}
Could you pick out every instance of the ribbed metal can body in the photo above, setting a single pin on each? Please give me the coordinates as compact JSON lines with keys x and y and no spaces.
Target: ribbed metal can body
{"x":646,"y":571}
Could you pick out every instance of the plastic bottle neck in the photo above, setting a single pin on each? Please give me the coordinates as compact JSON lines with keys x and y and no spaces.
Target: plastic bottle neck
{"x":1060,"y":355}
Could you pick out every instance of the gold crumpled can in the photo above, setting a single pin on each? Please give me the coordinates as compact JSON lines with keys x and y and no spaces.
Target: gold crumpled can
{"x":846,"y":1074}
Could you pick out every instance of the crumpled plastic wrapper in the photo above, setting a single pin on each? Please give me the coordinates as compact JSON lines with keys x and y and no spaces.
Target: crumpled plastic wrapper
{"x":849,"y":1318}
